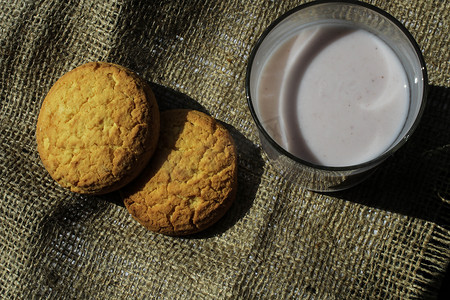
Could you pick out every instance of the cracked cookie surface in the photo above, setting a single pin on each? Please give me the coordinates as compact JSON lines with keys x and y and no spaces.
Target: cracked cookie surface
{"x":97,"y":128}
{"x":191,"y":179}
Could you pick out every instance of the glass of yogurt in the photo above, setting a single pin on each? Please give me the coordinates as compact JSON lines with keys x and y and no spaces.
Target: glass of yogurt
{"x":335,"y":88}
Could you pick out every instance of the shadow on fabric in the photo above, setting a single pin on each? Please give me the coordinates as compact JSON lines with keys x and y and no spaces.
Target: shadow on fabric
{"x":416,"y":180}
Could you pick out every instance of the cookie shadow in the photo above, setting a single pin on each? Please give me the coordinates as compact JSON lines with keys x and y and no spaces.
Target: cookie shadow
{"x":250,"y":164}
{"x":168,"y":98}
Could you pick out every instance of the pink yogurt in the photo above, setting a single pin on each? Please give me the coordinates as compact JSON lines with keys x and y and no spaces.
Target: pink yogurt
{"x":333,"y":95}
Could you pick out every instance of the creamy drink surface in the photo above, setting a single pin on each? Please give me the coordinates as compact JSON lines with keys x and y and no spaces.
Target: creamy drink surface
{"x":333,"y":95}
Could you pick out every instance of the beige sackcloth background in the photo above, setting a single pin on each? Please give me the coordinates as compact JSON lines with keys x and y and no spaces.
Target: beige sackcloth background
{"x":387,"y":238}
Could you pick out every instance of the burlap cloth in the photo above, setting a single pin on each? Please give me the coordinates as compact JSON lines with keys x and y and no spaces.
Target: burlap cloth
{"x":386,"y":238}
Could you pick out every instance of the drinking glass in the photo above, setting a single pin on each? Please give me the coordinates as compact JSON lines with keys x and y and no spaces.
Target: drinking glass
{"x":361,"y":15}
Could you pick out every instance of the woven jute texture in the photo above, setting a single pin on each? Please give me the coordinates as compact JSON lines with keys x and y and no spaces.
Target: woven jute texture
{"x":387,"y":238}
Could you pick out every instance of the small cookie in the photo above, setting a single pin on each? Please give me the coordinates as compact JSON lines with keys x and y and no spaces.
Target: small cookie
{"x":97,"y":128}
{"x":191,"y":180}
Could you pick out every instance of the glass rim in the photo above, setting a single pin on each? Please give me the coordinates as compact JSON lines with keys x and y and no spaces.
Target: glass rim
{"x":366,"y":164}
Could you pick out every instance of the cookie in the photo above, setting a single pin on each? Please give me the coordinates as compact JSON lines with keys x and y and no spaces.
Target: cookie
{"x":97,"y":128}
{"x":191,"y":179}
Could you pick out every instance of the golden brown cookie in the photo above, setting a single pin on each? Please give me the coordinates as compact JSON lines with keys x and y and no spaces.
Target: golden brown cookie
{"x":97,"y":128}
{"x":191,"y":180}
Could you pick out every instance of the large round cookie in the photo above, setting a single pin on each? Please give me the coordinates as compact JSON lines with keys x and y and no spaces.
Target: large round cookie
{"x":97,"y":128}
{"x":191,"y":180}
